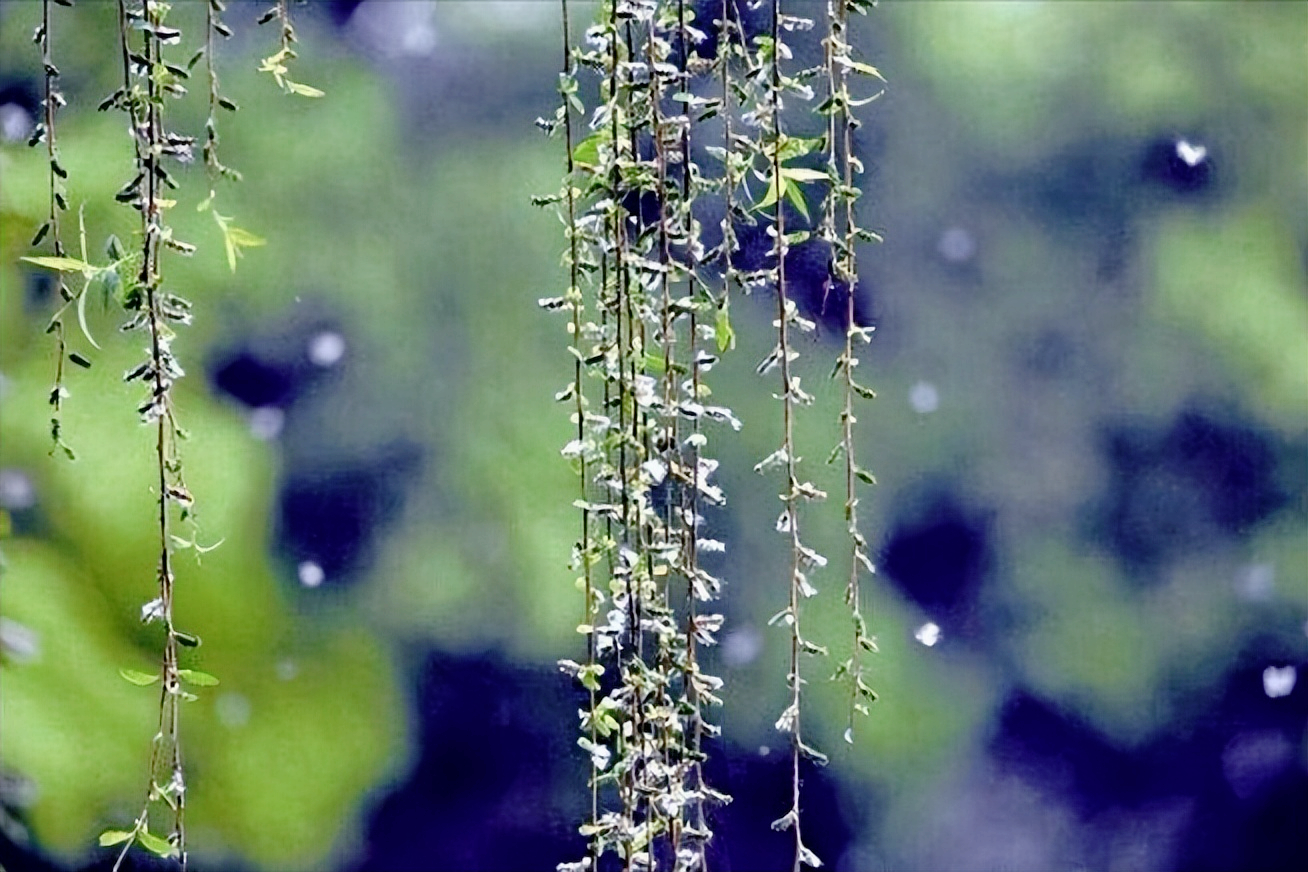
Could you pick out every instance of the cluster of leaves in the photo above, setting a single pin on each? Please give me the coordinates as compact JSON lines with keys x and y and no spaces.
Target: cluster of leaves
{"x":646,"y":294}
{"x":276,"y":63}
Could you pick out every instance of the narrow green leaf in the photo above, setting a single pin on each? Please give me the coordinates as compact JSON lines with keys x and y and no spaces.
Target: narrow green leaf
{"x":196,"y":677}
{"x":244,"y":238}
{"x":140,"y":679}
{"x":772,"y":195}
{"x":63,"y":264}
{"x":114,"y":837}
{"x":156,"y":845}
{"x":866,"y":69}
{"x":804,"y":174}
{"x":302,"y":89}
{"x":796,"y":197}
{"x":81,"y":317}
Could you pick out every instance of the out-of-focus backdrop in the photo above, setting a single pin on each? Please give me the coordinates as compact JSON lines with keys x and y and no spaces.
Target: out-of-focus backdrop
{"x":1091,"y":442}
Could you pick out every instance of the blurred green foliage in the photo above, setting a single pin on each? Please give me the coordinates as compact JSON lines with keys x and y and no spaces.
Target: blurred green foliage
{"x":270,"y":781}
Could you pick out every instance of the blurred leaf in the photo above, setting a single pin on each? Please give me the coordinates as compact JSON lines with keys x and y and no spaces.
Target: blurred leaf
{"x":302,"y":89}
{"x":723,"y":332}
{"x":63,"y":264}
{"x":587,"y":151}
{"x":114,"y":837}
{"x":235,"y":239}
{"x":794,"y":146}
{"x":156,"y":845}
{"x":865,"y":69}
{"x":140,"y":679}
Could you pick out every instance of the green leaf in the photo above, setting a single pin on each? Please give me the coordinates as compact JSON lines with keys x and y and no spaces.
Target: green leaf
{"x":302,"y":89}
{"x":804,"y":174}
{"x":140,"y":679}
{"x":235,"y":239}
{"x":63,"y":264}
{"x":589,"y":676}
{"x":793,"y":146}
{"x":605,"y":724}
{"x":772,"y":195}
{"x":196,"y":677}
{"x":244,"y":238}
{"x":586,"y":153}
{"x":156,"y":845}
{"x":796,"y":196}
{"x":114,"y":837}
{"x":722,"y":329}
{"x":866,"y":69}
{"x":81,"y":317}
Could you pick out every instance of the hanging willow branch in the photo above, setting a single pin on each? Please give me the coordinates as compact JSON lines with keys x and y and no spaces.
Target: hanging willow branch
{"x":277,"y":63}
{"x":45,"y":131}
{"x":842,"y":233}
{"x":783,"y":184}
{"x":235,"y":239}
{"x":149,"y":82}
{"x":134,"y":277}
{"x":584,"y":555}
{"x":213,"y":24}
{"x":634,"y":253}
